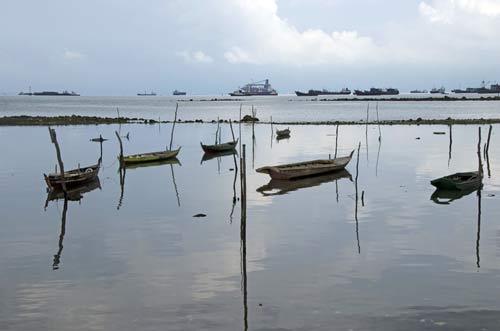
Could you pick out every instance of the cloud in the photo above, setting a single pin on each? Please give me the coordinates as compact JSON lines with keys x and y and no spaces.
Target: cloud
{"x":73,"y":55}
{"x":195,"y":57}
{"x":266,"y":38}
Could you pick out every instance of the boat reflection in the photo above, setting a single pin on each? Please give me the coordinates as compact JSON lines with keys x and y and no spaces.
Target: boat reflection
{"x":280,"y":187}
{"x":210,"y":156}
{"x":75,"y":194}
{"x":72,"y":194}
{"x":445,"y":197}
{"x":123,"y":171}
{"x":152,"y":164}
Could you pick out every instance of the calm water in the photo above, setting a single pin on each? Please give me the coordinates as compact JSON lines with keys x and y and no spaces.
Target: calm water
{"x":132,"y":257}
{"x":281,"y":108}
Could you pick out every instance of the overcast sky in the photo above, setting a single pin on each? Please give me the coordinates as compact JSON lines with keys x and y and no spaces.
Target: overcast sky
{"x":117,"y":47}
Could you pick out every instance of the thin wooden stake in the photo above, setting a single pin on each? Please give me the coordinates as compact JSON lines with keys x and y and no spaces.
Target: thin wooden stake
{"x":336,"y":140}
{"x":489,"y":137}
{"x":121,"y":147}
{"x":173,"y":126}
{"x":378,"y":122}
{"x":53,"y":138}
{"x":479,"y":153}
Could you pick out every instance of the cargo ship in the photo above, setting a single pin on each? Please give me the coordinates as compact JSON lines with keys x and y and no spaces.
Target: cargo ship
{"x":178,"y":93}
{"x":440,"y":90}
{"x":493,"y":89}
{"x":52,"y":93}
{"x":145,"y":94}
{"x":419,"y":91}
{"x":259,"y":88}
{"x":377,"y":91}
{"x":313,"y":93}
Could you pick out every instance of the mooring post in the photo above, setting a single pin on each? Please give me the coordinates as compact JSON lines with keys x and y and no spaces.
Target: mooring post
{"x":336,"y":140}
{"x":173,"y":126}
{"x":121,"y":148}
{"x":53,"y":138}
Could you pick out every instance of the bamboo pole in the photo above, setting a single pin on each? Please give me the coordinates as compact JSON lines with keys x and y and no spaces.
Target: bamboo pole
{"x":366,"y":130}
{"x":489,"y":137}
{"x":356,"y":205}
{"x":173,"y":126}
{"x":217,"y":131}
{"x":239,"y":125}
{"x":336,"y":140}
{"x":121,"y":147}
{"x":479,"y":152}
{"x":53,"y":138}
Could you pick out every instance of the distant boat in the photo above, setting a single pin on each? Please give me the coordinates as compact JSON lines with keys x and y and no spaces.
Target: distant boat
{"x":377,"y":91}
{"x":306,"y":169}
{"x":419,"y":91}
{"x":146,"y":94}
{"x":178,"y":93}
{"x":259,"y":88}
{"x":313,"y":93}
{"x":26,"y":93}
{"x":283,"y":133}
{"x":493,"y":89}
{"x":440,"y":90}
{"x":52,"y":93}
{"x":459,"y":181}
{"x":344,"y":91}
{"x":310,"y":93}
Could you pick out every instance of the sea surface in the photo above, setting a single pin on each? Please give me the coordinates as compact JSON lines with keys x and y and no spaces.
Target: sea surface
{"x":366,"y":249}
{"x":281,"y":108}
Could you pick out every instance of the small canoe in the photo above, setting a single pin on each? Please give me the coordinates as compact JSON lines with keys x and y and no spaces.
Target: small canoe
{"x":218,"y":148}
{"x":306,"y":169}
{"x":150,"y":157}
{"x":73,"y":177}
{"x":283,"y":133}
{"x":280,"y":187}
{"x":460,"y":181}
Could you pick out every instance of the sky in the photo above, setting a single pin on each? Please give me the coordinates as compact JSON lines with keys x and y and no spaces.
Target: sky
{"x":211,"y":47}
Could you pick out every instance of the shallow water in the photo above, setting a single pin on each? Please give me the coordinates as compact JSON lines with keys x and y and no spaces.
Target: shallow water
{"x":281,"y":108}
{"x":132,"y":257}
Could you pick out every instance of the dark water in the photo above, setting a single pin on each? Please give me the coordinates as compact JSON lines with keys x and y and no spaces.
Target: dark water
{"x":281,"y":108}
{"x":312,"y":258}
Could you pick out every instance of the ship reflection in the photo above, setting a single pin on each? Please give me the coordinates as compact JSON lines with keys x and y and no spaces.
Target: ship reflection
{"x":210,"y":156}
{"x":280,"y":187}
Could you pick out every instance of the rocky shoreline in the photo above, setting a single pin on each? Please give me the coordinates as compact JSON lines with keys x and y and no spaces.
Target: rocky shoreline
{"x":25,"y":120}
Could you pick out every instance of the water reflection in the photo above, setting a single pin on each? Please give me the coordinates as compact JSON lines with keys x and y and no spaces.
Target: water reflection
{"x":210,"y":156}
{"x":123,"y":171}
{"x":445,"y":197}
{"x":75,"y":194}
{"x":280,"y":187}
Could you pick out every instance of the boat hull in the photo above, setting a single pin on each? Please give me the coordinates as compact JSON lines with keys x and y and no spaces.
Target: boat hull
{"x":73,"y":178}
{"x":306,"y":169}
{"x":150,"y":157}
{"x":219,"y":148}
{"x":461,"y":181}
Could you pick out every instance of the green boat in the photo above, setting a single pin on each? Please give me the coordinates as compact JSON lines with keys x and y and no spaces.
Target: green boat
{"x":219,"y":148}
{"x":461,"y":181}
{"x":150,"y":157}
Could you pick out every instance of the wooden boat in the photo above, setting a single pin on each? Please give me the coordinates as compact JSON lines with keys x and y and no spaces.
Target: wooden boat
{"x":150,"y":157}
{"x":283,"y":133}
{"x":280,"y":187}
{"x":306,"y":169}
{"x":460,"y":181}
{"x":218,"y":148}
{"x":73,"y":177}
